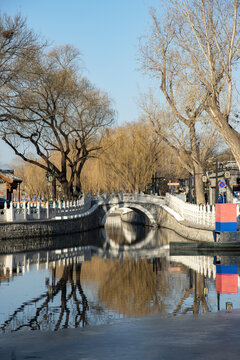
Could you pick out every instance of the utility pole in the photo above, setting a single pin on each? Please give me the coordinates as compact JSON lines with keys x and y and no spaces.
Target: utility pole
{"x":216,"y":191}
{"x":190,"y":188}
{"x":194,"y":186}
{"x":54,"y":195}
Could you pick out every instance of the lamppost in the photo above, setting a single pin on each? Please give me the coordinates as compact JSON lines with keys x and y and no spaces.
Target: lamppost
{"x":23,"y":194}
{"x":51,"y":181}
{"x":54,"y":193}
{"x":153,"y":184}
{"x":58,"y":190}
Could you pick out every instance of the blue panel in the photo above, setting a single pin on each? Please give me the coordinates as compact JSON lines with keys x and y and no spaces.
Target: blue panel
{"x":228,"y":226}
{"x":226,"y":269}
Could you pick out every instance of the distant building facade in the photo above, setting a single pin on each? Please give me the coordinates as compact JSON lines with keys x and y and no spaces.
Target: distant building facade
{"x":224,"y":184}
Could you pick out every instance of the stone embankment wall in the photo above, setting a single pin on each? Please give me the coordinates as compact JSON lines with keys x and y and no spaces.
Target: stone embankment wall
{"x":187,"y":230}
{"x":46,"y":228}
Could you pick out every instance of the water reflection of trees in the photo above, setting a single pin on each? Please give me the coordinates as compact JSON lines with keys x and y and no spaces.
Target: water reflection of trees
{"x":197,"y":291}
{"x":129,"y":287}
{"x":72,"y":301}
{"x":146,"y":287}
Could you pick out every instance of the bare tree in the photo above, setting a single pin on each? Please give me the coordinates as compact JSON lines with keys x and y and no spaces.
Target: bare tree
{"x":204,"y":38}
{"x":160,"y":59}
{"x":192,"y":143}
{"x":131,"y":155}
{"x":17,"y":44}
{"x":57,"y":114}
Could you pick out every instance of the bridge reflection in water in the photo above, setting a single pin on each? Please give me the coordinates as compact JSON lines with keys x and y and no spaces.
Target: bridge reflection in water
{"x":130,"y":275}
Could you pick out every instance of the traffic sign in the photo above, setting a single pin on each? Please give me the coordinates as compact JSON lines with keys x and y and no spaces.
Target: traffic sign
{"x":227,"y":175}
{"x":221,"y":184}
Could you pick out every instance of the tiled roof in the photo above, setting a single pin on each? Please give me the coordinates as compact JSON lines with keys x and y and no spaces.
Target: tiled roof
{"x":8,"y":174}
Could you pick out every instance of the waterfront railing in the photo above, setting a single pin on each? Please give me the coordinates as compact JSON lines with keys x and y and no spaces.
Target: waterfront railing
{"x":31,"y":210}
{"x":27,"y":211}
{"x":197,"y":214}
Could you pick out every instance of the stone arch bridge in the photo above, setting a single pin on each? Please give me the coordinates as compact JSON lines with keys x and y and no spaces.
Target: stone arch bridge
{"x":90,"y":212}
{"x":146,"y":206}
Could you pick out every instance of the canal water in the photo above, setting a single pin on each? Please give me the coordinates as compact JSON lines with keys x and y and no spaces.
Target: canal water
{"x":99,"y":277}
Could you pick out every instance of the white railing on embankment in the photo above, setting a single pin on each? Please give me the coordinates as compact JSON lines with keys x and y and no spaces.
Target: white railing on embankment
{"x":24,"y":211}
{"x":197,"y":214}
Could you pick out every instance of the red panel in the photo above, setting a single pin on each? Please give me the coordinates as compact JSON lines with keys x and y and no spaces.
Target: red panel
{"x":226,"y":213}
{"x":226,"y":284}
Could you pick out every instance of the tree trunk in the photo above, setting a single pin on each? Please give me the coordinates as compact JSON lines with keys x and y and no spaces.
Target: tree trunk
{"x":230,"y":135}
{"x":199,"y":190}
{"x":66,"y":189}
{"x":78,"y":189}
{"x":78,"y":177}
{"x":232,"y":139}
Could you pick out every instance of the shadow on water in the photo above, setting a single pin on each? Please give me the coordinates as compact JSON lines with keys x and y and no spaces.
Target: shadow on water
{"x":97,"y":277}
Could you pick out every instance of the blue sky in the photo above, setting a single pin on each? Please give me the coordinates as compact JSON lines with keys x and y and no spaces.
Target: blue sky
{"x":107,"y":34}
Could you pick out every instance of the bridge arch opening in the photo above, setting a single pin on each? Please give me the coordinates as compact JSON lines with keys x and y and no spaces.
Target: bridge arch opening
{"x":132,"y":213}
{"x":126,"y":226}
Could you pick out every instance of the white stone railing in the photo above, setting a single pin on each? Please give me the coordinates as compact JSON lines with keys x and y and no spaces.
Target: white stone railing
{"x":27,"y":211}
{"x":144,"y":198}
{"x":197,"y":214}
